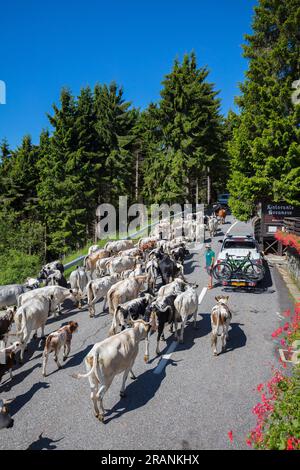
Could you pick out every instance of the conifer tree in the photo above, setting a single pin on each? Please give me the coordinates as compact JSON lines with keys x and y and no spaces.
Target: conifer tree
{"x":265,"y":148}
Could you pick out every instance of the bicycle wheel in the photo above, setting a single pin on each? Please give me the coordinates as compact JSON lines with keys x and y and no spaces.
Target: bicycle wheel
{"x":254,"y":272}
{"x":222,"y":271}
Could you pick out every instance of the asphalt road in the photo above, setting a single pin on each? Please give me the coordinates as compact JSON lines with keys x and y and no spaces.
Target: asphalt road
{"x":190,"y":400}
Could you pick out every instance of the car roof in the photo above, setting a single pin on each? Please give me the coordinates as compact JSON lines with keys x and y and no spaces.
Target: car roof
{"x":234,"y":237}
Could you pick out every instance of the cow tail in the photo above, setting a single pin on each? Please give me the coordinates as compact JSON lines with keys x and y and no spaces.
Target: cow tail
{"x":110,"y":303}
{"x":22,"y":324}
{"x":84,"y":261}
{"x":89,"y":291}
{"x":94,"y":369}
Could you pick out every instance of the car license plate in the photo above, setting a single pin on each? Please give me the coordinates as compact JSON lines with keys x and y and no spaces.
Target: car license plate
{"x":238,"y":284}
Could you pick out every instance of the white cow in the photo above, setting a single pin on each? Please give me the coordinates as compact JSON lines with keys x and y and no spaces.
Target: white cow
{"x":101,"y":266}
{"x":32,"y":315}
{"x":212,"y":225}
{"x":59,"y":295}
{"x":119,"y":245}
{"x":113,"y":356}
{"x":129,"y":273}
{"x":98,"y":288}
{"x":186,"y":305}
{"x":93,"y":248}
{"x":121,"y":263}
{"x":78,"y":281}
{"x":173,"y":288}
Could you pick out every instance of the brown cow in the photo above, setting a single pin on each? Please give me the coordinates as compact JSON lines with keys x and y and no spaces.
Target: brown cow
{"x":222,"y":214}
{"x":56,"y":340}
{"x":90,"y":261}
{"x":7,"y":358}
{"x":220,"y":316}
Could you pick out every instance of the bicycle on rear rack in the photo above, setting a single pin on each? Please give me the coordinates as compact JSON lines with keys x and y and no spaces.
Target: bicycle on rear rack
{"x":232,"y":267}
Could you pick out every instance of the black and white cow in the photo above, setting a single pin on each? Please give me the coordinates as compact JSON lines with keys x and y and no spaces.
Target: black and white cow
{"x":133,"y":310}
{"x":164,"y":312}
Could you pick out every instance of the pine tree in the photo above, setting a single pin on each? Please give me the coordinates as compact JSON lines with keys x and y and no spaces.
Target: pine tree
{"x":191,"y":129}
{"x":265,"y":148}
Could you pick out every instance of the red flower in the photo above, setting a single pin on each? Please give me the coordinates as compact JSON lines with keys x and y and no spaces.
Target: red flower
{"x":260,"y":387}
{"x":230,"y":435}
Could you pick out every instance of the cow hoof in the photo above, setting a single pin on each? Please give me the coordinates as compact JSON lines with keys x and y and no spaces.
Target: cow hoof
{"x":122,"y":394}
{"x":35,"y":336}
{"x":64,"y":358}
{"x":133,"y":377}
{"x":146,"y":359}
{"x":44,"y":374}
{"x":215,"y":354}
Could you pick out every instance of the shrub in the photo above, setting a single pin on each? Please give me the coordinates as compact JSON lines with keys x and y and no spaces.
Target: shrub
{"x":16,"y":266}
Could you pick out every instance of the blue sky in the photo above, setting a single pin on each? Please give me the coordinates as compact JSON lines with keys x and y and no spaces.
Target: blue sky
{"x":46,"y":45}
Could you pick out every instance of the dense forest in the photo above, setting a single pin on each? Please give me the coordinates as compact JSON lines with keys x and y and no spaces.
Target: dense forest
{"x":99,"y":147}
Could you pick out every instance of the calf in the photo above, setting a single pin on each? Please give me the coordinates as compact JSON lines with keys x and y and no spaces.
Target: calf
{"x":56,"y":340}
{"x":6,"y":322}
{"x":110,"y":357}
{"x":6,"y":420}
{"x":220,"y":316}
{"x":7,"y":358}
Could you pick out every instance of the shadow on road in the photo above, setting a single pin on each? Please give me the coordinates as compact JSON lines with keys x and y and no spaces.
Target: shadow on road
{"x":237,"y":338}
{"x":21,"y":400}
{"x":43,"y":443}
{"x":17,"y":378}
{"x":138,"y":393}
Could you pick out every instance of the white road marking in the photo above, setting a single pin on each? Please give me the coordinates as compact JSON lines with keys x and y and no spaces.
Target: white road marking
{"x":164,"y":359}
{"x":203,"y":292}
{"x":231,"y":227}
{"x":162,"y":363}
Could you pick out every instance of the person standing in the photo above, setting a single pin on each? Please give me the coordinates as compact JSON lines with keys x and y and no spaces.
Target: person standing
{"x":209,"y":263}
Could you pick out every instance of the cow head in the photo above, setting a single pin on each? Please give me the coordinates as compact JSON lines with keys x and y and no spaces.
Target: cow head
{"x":73,"y":326}
{"x":6,"y":420}
{"x":222,"y":299}
{"x":75,"y":296}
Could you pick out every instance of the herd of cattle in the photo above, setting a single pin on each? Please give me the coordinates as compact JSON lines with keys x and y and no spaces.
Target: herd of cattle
{"x":144,"y":287}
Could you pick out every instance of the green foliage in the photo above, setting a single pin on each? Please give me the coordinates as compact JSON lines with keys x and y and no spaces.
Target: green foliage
{"x":16,"y":266}
{"x":184,"y":135}
{"x":265,"y":147}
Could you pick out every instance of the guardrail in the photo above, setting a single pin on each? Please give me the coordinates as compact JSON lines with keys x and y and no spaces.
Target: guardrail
{"x":133,"y":235}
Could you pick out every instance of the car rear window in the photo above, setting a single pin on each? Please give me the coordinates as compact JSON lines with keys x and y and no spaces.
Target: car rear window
{"x":243,"y":244}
